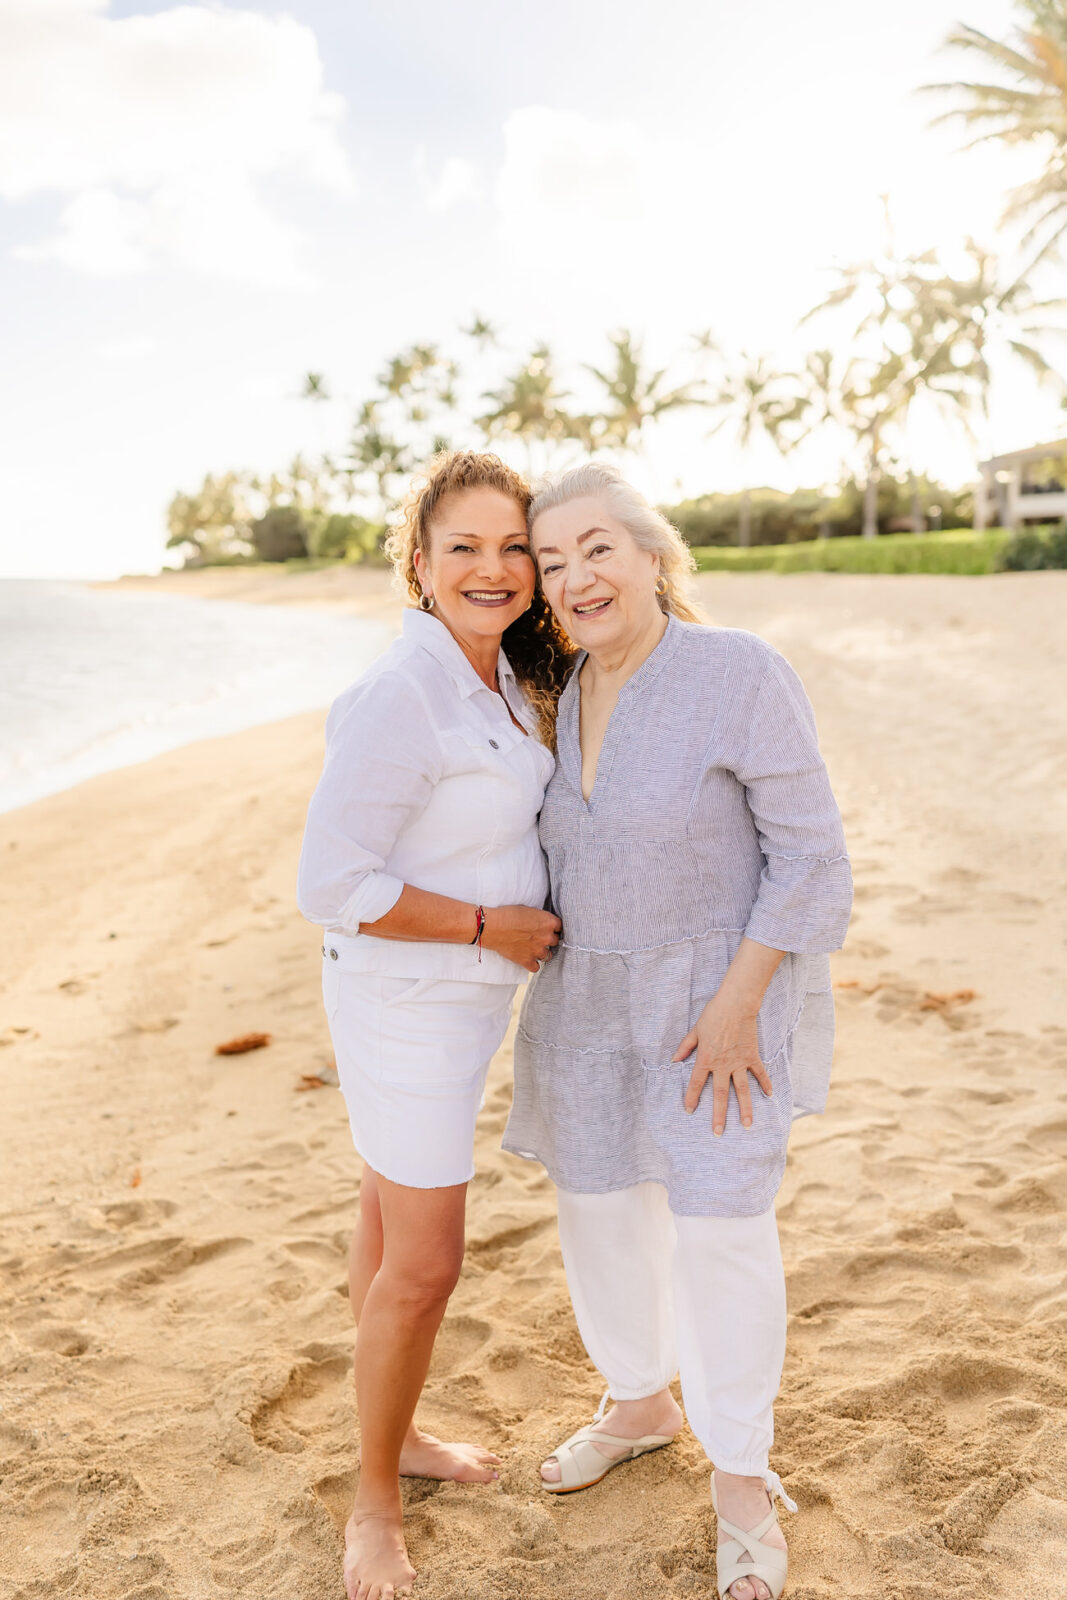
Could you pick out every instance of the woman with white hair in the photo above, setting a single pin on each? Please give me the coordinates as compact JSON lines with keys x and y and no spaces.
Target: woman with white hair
{"x":698,"y":865}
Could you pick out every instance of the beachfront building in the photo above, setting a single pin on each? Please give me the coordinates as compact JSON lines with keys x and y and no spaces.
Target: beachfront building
{"x":1023,"y":486}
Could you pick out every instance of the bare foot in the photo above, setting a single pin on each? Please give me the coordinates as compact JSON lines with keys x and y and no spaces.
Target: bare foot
{"x":376,"y":1557}
{"x":745,"y":1503}
{"x":423,"y":1456}
{"x":629,"y":1419}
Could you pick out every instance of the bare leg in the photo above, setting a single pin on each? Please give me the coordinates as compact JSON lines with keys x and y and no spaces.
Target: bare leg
{"x":365,"y":1248}
{"x":422,"y":1456}
{"x":401,"y":1311}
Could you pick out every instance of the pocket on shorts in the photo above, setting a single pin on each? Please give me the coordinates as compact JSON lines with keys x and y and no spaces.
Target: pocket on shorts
{"x":398,"y":991}
{"x":331,"y":989}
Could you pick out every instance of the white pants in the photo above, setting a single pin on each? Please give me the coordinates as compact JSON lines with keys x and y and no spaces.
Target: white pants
{"x":656,"y":1294}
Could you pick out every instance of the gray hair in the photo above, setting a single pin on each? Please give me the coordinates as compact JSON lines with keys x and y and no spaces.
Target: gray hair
{"x":648,"y":527}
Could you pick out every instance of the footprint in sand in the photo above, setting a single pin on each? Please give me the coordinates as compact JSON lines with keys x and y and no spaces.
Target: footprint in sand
{"x":313,"y":1403}
{"x":461,"y":1339}
{"x":132,"y":1267}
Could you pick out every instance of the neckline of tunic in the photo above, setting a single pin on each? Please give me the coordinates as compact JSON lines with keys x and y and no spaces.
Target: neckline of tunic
{"x":569,"y":742}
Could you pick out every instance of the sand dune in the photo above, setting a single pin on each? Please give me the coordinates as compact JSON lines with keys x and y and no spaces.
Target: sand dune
{"x":175,"y":1341}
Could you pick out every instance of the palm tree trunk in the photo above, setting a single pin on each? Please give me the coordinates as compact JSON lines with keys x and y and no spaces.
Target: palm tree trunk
{"x":744,"y":526}
{"x":870,"y":493}
{"x":981,"y":504}
{"x":918,"y":519}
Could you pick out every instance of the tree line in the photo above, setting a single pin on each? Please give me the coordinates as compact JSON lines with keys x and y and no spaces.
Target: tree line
{"x":915,"y":330}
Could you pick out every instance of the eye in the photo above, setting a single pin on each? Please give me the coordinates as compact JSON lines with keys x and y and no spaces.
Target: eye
{"x":553,"y":567}
{"x":598,"y":548}
{"x":521,"y":546}
{"x":454,"y":548}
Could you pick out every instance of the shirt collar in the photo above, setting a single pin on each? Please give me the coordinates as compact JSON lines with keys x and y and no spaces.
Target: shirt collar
{"x":426,"y":631}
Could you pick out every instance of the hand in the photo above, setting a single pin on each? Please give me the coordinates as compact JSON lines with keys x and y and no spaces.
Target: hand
{"x":726,"y":1041}
{"x":523,"y":934}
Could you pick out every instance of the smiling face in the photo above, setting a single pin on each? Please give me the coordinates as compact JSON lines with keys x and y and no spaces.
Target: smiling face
{"x":478,"y":568}
{"x":597,"y":579}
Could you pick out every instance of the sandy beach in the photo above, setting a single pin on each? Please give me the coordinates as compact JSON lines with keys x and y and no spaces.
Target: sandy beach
{"x":177,"y":1417}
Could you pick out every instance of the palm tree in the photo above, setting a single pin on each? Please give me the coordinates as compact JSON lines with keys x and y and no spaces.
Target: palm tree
{"x":911,"y":339}
{"x":374,"y":451}
{"x":752,"y":397}
{"x":998,"y":317}
{"x":482,"y":331}
{"x":530,"y":406}
{"x":1025,"y":104}
{"x":315,"y":387}
{"x":635,"y":396}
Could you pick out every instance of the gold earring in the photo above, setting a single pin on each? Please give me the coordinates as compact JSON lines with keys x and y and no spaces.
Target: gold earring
{"x":661,"y":585}
{"x":426,"y":602}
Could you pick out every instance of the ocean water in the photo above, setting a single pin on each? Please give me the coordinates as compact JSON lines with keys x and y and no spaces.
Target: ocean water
{"x":91,"y":680}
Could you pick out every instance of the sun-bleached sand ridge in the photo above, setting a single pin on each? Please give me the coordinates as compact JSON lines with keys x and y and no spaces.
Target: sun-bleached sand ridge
{"x":175,"y":1342}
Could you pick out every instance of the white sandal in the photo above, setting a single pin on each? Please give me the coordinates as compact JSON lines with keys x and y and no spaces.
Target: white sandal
{"x":744,"y":1555}
{"x":581,"y":1464}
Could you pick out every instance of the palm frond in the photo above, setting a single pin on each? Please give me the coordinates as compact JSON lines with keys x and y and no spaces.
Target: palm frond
{"x":1032,"y":357}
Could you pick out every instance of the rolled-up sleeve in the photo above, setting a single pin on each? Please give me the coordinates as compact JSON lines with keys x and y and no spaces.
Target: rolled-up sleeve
{"x":805,"y":890}
{"x":382,"y":761}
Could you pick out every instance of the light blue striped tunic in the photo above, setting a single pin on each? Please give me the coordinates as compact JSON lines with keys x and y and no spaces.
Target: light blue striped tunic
{"x":711,"y":818}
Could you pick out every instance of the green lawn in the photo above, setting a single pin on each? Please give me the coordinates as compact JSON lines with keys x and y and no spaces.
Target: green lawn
{"x":956,"y":550}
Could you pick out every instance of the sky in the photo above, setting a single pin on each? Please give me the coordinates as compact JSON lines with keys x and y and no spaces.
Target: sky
{"x":201,"y":202}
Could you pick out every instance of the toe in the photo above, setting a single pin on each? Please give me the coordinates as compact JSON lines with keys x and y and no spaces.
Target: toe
{"x":741,"y":1590}
{"x":550,"y":1470}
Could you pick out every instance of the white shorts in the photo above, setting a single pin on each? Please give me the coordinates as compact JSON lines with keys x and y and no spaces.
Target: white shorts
{"x":412,"y":1058}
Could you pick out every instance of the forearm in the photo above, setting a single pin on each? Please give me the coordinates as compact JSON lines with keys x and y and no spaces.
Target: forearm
{"x":748,"y":976}
{"x":420,"y":915}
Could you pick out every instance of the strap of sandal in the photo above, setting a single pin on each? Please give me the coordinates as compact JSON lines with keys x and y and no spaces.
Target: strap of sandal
{"x":744,"y":1555}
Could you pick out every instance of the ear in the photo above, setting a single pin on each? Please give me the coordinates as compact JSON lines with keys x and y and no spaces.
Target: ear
{"x":422,"y":570}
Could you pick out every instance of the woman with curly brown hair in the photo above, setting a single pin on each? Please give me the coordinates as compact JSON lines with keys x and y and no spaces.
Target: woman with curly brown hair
{"x":422,"y":864}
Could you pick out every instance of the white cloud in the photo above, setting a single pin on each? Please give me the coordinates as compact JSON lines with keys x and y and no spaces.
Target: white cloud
{"x":161,"y":127}
{"x":99,"y":233}
{"x":458,"y":182}
{"x":562,"y":166}
{"x":127,"y":352}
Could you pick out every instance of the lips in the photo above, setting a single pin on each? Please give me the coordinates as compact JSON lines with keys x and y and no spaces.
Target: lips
{"x":489,"y":597}
{"x":592,"y":608}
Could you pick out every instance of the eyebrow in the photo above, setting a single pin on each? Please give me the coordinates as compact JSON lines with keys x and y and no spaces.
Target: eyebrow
{"x":553,"y":550}
{"x":458,"y":533}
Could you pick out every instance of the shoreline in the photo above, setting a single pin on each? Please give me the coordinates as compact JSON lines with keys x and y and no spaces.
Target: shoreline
{"x":201,"y":666}
{"x":176,"y":1339}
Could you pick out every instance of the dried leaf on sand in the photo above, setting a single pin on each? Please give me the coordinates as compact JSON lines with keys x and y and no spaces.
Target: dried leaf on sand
{"x":241,"y":1045}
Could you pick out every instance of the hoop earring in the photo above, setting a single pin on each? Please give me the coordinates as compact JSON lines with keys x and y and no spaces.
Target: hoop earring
{"x":661,"y":586}
{"x":426,"y":602}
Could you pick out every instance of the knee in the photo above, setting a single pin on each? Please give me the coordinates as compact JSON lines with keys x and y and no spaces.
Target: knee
{"x":423,"y":1288}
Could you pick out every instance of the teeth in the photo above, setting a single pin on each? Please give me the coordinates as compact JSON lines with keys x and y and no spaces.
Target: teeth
{"x":594,"y":605}
{"x":485,"y":594}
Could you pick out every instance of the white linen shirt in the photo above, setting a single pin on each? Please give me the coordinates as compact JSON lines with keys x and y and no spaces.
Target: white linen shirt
{"x":427,"y":782}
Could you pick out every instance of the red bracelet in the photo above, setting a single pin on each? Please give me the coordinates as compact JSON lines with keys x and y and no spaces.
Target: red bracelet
{"x":480,"y":913}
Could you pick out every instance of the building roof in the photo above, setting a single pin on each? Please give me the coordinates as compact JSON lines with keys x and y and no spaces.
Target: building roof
{"x":1033,"y":451}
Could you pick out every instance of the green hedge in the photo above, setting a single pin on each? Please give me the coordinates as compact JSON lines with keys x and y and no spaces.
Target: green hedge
{"x":957,"y":550}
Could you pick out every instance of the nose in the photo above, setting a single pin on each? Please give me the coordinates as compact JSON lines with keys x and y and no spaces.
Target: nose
{"x":580,"y":577}
{"x":491,"y":565}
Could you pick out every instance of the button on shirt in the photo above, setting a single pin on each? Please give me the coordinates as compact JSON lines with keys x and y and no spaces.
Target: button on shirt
{"x":427,"y":781}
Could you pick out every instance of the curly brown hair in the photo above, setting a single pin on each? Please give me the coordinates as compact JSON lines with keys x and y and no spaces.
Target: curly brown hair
{"x":540,"y":653}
